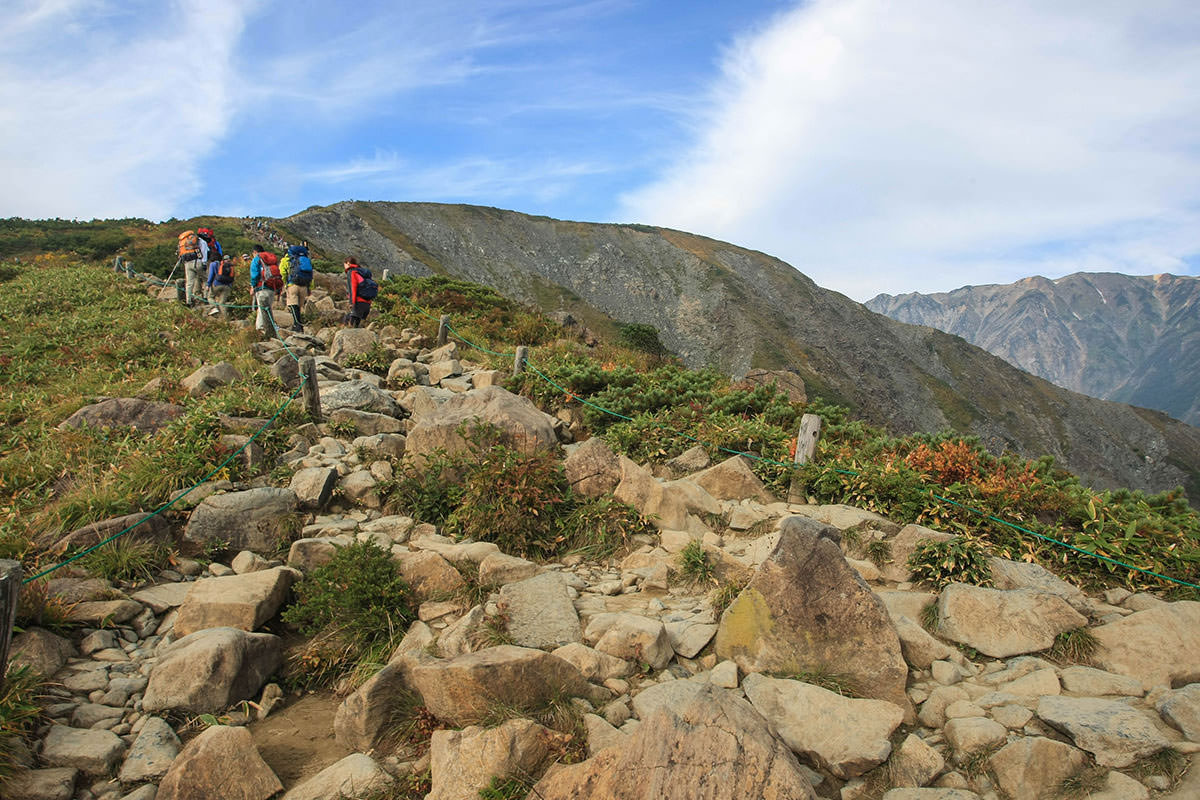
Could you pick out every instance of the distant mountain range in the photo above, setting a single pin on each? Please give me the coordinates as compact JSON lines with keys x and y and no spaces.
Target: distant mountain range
{"x":721,"y":305}
{"x":1133,"y":339}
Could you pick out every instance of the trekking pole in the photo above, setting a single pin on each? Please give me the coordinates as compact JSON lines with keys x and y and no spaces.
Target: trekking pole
{"x":172,"y":275}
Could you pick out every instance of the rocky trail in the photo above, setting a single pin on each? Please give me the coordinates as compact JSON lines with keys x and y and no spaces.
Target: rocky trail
{"x":166,"y":690}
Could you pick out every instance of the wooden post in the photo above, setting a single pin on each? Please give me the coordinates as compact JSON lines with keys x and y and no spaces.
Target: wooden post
{"x":118,"y":264}
{"x":519,"y":360}
{"x":387,"y":274}
{"x":807,"y":438}
{"x":443,"y":329}
{"x":806,"y":447}
{"x":312,"y":393}
{"x":10,"y":590}
{"x":129,"y":269}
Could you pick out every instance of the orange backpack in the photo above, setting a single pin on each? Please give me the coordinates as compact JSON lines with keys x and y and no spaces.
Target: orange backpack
{"x":189,"y":246}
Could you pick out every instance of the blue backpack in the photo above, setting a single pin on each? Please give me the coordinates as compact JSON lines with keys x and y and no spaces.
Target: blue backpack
{"x":301,"y":268}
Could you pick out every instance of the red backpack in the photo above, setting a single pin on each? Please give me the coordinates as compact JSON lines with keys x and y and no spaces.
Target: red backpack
{"x":274,"y":281}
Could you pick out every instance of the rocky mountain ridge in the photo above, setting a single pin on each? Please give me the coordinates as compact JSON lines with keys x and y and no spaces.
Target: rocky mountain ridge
{"x":1132,"y":339}
{"x":721,"y":305}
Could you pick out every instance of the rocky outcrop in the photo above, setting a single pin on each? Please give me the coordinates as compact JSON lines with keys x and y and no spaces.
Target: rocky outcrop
{"x":520,"y":424}
{"x":1159,"y":646}
{"x":806,"y":610}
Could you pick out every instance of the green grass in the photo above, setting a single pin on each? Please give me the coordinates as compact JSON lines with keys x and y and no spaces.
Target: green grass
{"x":1076,"y":646}
{"x":694,"y":565}
{"x":127,"y":559}
{"x":20,"y":707}
{"x":879,"y":552}
{"x":1169,"y":763}
{"x":930,"y":618}
{"x":836,"y":682}
{"x":1083,"y":784}
{"x":97,"y":334}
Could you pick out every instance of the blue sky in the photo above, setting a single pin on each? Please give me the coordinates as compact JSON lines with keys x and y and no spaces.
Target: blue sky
{"x":877,"y":146}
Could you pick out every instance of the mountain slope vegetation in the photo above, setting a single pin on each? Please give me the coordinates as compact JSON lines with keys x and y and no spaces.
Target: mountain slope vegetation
{"x":720,"y":305}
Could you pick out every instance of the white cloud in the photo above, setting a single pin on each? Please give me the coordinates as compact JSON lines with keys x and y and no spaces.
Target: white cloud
{"x":882,"y":146}
{"x":106,"y":108}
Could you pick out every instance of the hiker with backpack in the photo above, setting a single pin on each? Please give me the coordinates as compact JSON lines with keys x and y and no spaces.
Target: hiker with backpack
{"x":220,"y":284}
{"x":299,"y":277}
{"x":361,"y":289}
{"x":212,"y":256}
{"x":265,"y":284}
{"x":193,"y":255}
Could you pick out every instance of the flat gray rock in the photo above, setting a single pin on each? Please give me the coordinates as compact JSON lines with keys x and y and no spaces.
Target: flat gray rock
{"x":541,"y":612}
{"x":1114,"y":733}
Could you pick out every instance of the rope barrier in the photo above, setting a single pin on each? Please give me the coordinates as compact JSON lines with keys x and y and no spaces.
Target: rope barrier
{"x":161,"y":509}
{"x":754,"y":456}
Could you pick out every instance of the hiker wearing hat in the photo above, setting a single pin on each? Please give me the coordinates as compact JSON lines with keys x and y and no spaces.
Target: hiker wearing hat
{"x":361,"y":289}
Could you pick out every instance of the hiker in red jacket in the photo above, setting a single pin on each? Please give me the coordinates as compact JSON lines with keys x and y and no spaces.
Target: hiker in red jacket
{"x":361,"y":290}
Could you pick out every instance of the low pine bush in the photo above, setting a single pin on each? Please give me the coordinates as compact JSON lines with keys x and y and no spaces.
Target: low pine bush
{"x":957,"y":560}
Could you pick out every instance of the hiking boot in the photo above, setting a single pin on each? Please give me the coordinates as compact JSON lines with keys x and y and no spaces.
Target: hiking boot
{"x":297,"y":329}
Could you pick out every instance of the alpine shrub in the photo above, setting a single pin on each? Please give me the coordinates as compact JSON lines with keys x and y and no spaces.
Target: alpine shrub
{"x":957,"y":560}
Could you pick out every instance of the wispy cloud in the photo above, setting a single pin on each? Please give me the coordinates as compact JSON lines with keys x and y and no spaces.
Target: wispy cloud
{"x":96,"y":117}
{"x":885,"y":146}
{"x":471,"y":180}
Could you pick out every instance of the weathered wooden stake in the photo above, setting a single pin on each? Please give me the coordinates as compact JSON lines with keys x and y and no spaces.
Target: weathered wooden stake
{"x":807,"y":438}
{"x":519,"y":360}
{"x":443,"y":329}
{"x":387,"y":274}
{"x":129,"y":269}
{"x":806,"y":447}
{"x":118,"y":264}
{"x":312,"y":394}
{"x":10,"y":589}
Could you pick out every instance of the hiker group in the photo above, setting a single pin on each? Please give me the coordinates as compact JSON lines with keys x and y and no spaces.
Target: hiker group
{"x":209,"y":278}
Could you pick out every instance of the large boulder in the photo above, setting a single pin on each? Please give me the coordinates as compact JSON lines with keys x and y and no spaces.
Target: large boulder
{"x":466,"y":689}
{"x":255,"y":519}
{"x":363,"y":717}
{"x":715,"y":747}
{"x":221,"y":762}
{"x":352,"y":342}
{"x":234,"y":601}
{"x":592,"y":468}
{"x":639,"y":488}
{"x":1116,"y":734}
{"x":40,"y":650}
{"x":1159,"y":646}
{"x":464,"y":762}
{"x":1034,"y":767}
{"x":1002,"y":623}
{"x":209,"y":670}
{"x":520,"y":423}
{"x":356,"y":775}
{"x":842,"y":734}
{"x":210,"y":377}
{"x":148,"y":416}
{"x":540,"y":611}
{"x":807,"y":610}
{"x":360,"y":396}
{"x":146,"y":527}
{"x":732,"y":479}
